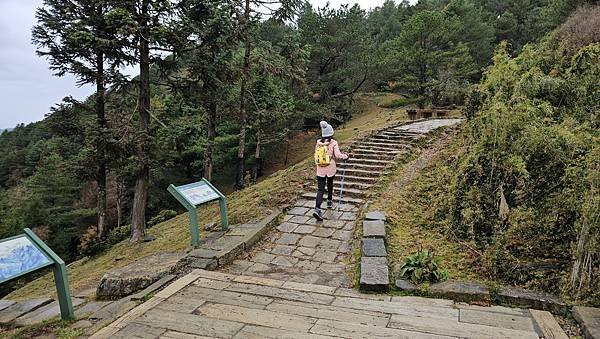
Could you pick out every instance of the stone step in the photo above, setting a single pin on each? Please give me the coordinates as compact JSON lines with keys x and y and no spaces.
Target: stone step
{"x":348,"y":192}
{"x":365,"y":161}
{"x":351,"y":200}
{"x":382,"y":156}
{"x":394,"y":137}
{"x":357,"y":172}
{"x":361,"y":179}
{"x":395,"y":143}
{"x":352,"y":184}
{"x":367,"y":150}
{"x":379,"y":146}
{"x":367,"y":167}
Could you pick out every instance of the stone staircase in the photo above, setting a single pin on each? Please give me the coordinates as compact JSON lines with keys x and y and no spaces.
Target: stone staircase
{"x":373,"y":156}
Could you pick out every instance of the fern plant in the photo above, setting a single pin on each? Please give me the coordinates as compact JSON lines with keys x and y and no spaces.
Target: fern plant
{"x":423,"y":266}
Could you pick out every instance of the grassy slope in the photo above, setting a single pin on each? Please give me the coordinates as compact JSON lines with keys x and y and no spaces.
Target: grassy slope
{"x":415,"y":220}
{"x":253,"y":202}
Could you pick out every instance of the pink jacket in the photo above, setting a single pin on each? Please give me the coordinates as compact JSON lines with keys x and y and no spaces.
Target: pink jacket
{"x":334,"y":153}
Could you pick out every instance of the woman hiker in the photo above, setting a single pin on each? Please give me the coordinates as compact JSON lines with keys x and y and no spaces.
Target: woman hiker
{"x":326,"y":151}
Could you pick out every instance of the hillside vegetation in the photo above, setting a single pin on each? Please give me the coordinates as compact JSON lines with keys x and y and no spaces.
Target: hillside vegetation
{"x":251,"y":203}
{"x":233,"y":91}
{"x":515,"y":198}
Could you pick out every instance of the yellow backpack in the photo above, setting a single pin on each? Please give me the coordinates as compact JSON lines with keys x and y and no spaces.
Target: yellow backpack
{"x":322,"y":156}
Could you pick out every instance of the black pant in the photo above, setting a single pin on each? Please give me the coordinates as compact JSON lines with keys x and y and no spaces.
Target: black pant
{"x":321,"y":189}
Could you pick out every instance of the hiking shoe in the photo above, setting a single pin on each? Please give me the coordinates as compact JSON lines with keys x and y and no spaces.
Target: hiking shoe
{"x":318,"y":215}
{"x":329,"y":204}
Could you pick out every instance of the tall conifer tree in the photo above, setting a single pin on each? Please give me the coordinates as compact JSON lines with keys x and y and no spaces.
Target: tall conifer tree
{"x":76,"y":37}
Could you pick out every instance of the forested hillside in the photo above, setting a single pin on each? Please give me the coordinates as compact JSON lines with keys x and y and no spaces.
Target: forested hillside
{"x":527,"y":189}
{"x":225,"y":87}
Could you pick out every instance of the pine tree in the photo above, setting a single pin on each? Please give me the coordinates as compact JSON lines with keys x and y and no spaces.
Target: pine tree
{"x":147,"y":27}
{"x":76,"y":37}
{"x":251,"y":12}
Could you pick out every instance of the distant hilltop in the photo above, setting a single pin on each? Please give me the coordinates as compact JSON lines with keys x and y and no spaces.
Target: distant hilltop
{"x":5,"y":129}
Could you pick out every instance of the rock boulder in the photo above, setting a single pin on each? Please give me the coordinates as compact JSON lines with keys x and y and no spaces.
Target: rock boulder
{"x":138,"y":275}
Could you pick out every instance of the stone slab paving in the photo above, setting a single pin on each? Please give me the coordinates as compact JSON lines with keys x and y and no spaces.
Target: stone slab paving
{"x":209,"y":304}
{"x":303,"y":250}
{"x":294,"y":285}
{"x":15,"y":310}
{"x":44,"y":313}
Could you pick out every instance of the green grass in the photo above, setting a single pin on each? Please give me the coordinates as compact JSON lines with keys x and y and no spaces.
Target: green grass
{"x":254,"y":202}
{"x":60,"y":328}
{"x":417,"y":214}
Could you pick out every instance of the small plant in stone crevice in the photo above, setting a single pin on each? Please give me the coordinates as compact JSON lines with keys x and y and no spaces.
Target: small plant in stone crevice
{"x":423,"y":266}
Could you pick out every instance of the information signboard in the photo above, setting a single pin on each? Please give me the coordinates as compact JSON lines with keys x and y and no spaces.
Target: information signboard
{"x":195,"y":194}
{"x":26,"y":253}
{"x":19,"y":256}
{"x":198,"y":193}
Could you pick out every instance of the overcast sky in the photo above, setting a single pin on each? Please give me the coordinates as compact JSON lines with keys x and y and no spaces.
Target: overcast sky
{"x":27,"y":87}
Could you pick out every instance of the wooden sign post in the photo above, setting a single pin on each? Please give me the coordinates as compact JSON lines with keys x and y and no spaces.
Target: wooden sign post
{"x":26,"y":253}
{"x":194,"y":195}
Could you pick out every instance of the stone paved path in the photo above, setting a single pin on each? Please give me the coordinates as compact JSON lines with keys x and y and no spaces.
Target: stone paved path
{"x":207,"y":304}
{"x":294,"y":286}
{"x":304,"y":250}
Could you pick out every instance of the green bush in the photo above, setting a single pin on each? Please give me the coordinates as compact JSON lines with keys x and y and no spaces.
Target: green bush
{"x":423,"y":266}
{"x":164,"y":215}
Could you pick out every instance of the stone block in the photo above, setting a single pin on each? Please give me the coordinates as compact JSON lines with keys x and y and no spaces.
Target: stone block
{"x":511,"y":321}
{"x":284,"y":261}
{"x":283,"y":250}
{"x":140,"y":274}
{"x":405,"y":285}
{"x":324,"y":232}
{"x":374,"y":229}
{"x":288,"y":239}
{"x":304,"y":229}
{"x":298,"y":211}
{"x":90,"y":308}
{"x":373,"y":247}
{"x":589,"y":319}
{"x":547,"y":325}
{"x":375,"y":215}
{"x":374,"y":274}
{"x":44,"y":313}
{"x":9,"y":314}
{"x":5,"y":303}
{"x":202,"y":263}
{"x":153,"y":287}
{"x":532,"y":299}
{"x":460,"y":291}
{"x":287,"y":227}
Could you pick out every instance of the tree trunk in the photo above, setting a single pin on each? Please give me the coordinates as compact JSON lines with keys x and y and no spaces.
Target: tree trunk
{"x":257,"y":166}
{"x":101,"y":145}
{"x":138,"y":214}
{"x":119,"y":203}
{"x":239,"y":182}
{"x":208,"y":154}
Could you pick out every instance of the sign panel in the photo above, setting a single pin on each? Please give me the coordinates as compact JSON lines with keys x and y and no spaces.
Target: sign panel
{"x":198,"y":193}
{"x":19,"y":256}
{"x":195,"y":194}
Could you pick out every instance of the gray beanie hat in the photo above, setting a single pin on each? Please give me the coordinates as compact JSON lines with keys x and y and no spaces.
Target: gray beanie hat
{"x":326,"y":129}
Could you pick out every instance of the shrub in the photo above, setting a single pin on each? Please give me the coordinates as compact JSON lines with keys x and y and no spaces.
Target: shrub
{"x":423,"y":266}
{"x":164,"y":215}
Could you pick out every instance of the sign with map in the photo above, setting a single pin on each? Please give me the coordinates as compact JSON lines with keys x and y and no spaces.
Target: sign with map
{"x":19,"y":256}
{"x":198,"y":193}
{"x":195,"y":194}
